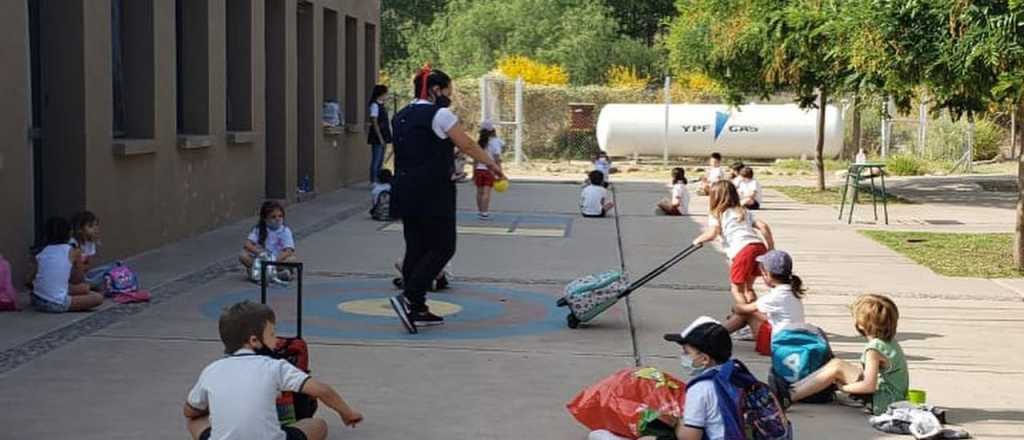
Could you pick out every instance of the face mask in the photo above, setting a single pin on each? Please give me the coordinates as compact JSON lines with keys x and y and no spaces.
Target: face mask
{"x":690,"y":366}
{"x":275,"y":224}
{"x":442,"y":101}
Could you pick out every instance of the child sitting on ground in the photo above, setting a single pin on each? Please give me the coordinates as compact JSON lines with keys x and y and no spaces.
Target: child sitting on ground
{"x":734,"y":172}
{"x":739,"y":232}
{"x":382,"y":184}
{"x":781,"y":307}
{"x":881,"y":377}
{"x":594,"y":198}
{"x":749,"y":189}
{"x":85,"y":235}
{"x":679,"y":202}
{"x":235,"y":397}
{"x":604,"y":165}
{"x":713,"y":175}
{"x":271,"y":236}
{"x":52,"y":289}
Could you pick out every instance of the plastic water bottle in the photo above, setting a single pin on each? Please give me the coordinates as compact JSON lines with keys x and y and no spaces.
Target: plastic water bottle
{"x":861,"y":157}
{"x":306,"y":185}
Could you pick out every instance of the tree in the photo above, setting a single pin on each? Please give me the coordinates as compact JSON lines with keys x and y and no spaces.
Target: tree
{"x":763,"y":47}
{"x":643,"y":19}
{"x":399,"y":20}
{"x":469,"y":36}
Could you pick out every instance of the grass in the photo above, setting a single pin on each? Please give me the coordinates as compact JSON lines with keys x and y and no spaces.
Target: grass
{"x":797,"y":165}
{"x":833,"y":195}
{"x":955,"y":255}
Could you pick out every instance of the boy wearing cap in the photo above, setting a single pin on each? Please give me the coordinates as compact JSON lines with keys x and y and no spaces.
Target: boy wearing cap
{"x":482,"y":177}
{"x":706,"y":346}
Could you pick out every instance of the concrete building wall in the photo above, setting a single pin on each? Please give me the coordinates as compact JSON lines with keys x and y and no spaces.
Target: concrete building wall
{"x":156,"y":179}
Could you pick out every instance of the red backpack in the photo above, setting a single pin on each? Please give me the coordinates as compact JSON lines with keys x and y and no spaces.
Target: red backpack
{"x":8,"y":296}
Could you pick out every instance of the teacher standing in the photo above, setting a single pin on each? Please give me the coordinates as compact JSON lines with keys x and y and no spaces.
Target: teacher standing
{"x":426,"y":134}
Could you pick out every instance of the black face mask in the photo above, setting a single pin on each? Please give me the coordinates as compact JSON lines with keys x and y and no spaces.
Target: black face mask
{"x":442,"y":101}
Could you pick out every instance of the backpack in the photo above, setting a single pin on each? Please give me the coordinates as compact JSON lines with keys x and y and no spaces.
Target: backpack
{"x":7,"y":294}
{"x":798,"y":352}
{"x":750,"y":411}
{"x":120,"y":279}
{"x":381,"y":210}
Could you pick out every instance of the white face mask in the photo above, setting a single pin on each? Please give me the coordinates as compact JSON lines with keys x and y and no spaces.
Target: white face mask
{"x":690,"y":366}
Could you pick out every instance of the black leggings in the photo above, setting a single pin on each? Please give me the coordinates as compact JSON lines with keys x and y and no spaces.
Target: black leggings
{"x":429,"y":245}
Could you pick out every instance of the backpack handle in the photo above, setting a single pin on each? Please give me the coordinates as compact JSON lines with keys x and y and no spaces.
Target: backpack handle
{"x":263,"y":288}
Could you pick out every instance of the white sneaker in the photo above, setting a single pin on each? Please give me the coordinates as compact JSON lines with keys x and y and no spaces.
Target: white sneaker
{"x":484,"y":216}
{"x":743,"y":334}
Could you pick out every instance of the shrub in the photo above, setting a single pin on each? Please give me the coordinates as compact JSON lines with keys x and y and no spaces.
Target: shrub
{"x":905,"y":165}
{"x":533,"y":72}
{"x":623,"y":77}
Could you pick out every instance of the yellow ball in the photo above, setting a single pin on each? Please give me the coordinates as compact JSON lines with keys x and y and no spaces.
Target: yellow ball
{"x":501,"y":185}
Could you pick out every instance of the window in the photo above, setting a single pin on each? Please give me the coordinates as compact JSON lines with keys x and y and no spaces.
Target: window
{"x":371,"y":58}
{"x":193,"y":66}
{"x":351,"y":70}
{"x":330,"y":55}
{"x":133,"y":68}
{"x":239,"y":65}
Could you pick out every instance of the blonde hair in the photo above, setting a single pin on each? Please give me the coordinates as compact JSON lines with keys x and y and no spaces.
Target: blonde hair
{"x":875,"y":316}
{"x":723,"y":196}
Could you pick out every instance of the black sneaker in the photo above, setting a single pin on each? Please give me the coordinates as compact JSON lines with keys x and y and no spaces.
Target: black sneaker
{"x":441,"y":283}
{"x":398,"y":282}
{"x":425,"y":318}
{"x":401,"y":307}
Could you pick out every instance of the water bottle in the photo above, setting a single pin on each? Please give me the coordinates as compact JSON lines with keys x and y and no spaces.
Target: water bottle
{"x":861,"y":157}
{"x":306,"y":185}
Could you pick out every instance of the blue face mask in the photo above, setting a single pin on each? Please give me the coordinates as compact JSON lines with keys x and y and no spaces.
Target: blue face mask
{"x":274,"y":225}
{"x":690,"y":366}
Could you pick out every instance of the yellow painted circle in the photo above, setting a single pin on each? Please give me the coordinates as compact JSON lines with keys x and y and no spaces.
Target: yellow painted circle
{"x":382,"y":307}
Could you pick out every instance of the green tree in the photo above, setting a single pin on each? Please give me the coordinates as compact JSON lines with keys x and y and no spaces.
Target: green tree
{"x":643,"y":20}
{"x":469,"y":36}
{"x":399,"y":21}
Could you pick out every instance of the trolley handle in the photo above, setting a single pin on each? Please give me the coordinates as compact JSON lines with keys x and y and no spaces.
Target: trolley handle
{"x":661,"y":269}
{"x":263,"y":288}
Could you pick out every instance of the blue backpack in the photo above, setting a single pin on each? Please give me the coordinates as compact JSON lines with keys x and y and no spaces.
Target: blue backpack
{"x":796,"y":353}
{"x":750,"y":411}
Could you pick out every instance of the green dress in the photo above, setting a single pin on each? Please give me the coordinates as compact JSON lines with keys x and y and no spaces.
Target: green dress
{"x":894,"y":380}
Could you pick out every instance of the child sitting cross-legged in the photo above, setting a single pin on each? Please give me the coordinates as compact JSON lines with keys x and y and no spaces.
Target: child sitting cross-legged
{"x":53,"y":290}
{"x":881,"y":377}
{"x":594,"y":197}
{"x":235,"y":397}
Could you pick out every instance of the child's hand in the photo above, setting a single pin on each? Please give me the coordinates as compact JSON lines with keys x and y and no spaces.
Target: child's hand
{"x":351,"y":418}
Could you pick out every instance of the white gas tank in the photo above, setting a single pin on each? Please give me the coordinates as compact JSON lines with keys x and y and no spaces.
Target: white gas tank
{"x":749,"y":131}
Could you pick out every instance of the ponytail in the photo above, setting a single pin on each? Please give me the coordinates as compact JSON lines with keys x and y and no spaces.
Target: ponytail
{"x":798,"y":286}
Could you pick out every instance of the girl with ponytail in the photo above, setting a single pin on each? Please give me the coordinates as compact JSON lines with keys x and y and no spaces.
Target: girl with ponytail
{"x":782,"y":306}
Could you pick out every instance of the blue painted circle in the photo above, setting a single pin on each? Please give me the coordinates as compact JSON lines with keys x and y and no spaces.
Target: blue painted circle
{"x":487,"y":312}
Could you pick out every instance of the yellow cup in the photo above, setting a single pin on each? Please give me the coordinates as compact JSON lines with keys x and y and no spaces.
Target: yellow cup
{"x":501,"y":185}
{"x":917,"y":397}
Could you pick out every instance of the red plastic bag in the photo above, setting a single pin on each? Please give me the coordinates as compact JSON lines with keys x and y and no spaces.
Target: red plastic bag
{"x":624,"y":402}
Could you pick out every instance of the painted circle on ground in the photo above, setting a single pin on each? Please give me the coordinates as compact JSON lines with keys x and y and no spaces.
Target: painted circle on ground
{"x":382,"y":307}
{"x":359,"y":310}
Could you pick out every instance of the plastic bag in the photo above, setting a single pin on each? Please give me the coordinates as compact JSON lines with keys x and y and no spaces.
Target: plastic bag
{"x":626,"y":402}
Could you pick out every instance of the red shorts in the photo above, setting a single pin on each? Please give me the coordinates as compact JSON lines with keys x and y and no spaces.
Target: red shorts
{"x":744,"y":264}
{"x":483,"y":178}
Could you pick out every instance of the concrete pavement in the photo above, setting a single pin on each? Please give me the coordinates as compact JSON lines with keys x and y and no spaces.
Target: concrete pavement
{"x":504,"y":365}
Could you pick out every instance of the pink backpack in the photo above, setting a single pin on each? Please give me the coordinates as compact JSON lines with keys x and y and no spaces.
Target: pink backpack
{"x":120,"y":279}
{"x":7,"y":293}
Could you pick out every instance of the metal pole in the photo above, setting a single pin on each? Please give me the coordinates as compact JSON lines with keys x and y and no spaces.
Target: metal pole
{"x":922,"y":128}
{"x":519,"y":121}
{"x":484,"y":114}
{"x":1013,"y":132}
{"x":668,"y":106}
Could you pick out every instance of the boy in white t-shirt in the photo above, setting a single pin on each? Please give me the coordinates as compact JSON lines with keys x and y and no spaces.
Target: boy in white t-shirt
{"x":235,"y":397}
{"x":706,"y":346}
{"x":714,"y":174}
{"x":594,"y":198}
{"x":751,"y":195}
{"x":604,"y":165}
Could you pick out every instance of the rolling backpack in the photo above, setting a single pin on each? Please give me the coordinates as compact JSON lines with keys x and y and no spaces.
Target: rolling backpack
{"x":381,"y":210}
{"x":750,"y":411}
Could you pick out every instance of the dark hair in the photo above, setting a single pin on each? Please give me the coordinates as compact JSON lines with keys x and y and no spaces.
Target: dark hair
{"x":378,"y":91}
{"x":268,"y":208}
{"x":485,"y":137}
{"x":747,"y":173}
{"x":737,"y":166}
{"x":384,"y":175}
{"x":794,"y":282}
{"x":433,"y":78}
{"x":716,"y":156}
{"x":241,"y":321}
{"x":596,"y":178}
{"x":679,"y":175}
{"x":80,"y":221}
{"x":58,"y":231}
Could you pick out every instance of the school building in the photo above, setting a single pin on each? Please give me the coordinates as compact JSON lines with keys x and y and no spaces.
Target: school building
{"x":168,"y":118}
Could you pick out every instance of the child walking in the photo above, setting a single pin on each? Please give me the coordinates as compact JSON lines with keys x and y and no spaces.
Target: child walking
{"x":482,"y":177}
{"x":881,"y":377}
{"x":234,"y":398}
{"x":52,"y":289}
{"x":271,"y":236}
{"x":739,"y":232}
{"x":679,"y":202}
{"x":594,"y":198}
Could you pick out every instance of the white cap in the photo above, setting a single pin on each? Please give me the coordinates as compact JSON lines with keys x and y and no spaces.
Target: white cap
{"x":486,"y":125}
